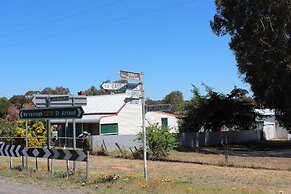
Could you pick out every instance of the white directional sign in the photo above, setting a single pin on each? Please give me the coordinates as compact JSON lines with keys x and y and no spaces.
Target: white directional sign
{"x":120,"y":86}
{"x":41,"y":101}
{"x":127,"y":75}
{"x":133,"y":93}
{"x":158,"y":107}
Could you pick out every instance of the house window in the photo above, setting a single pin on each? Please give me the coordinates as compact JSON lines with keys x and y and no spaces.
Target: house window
{"x":164,"y":122}
{"x":109,"y":128}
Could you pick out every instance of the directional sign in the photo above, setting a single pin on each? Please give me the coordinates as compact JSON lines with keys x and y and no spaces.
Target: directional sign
{"x":120,"y":86}
{"x":158,"y":107}
{"x":127,"y":75}
{"x":58,"y":100}
{"x":17,"y":151}
{"x":52,"y":113}
{"x":133,"y":93}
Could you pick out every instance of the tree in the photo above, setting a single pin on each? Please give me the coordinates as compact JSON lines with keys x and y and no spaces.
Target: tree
{"x":7,"y":131}
{"x":12,"y":115}
{"x":260,"y":39}
{"x":19,"y":100}
{"x":215,"y":110}
{"x":4,"y":105}
{"x":175,"y":98}
{"x":57,"y":91}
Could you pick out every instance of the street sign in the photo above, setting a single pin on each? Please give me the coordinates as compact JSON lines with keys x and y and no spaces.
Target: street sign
{"x":127,"y":75}
{"x":58,"y":100}
{"x":133,"y":93}
{"x":158,"y":107}
{"x":53,"y":113}
{"x":120,"y":86}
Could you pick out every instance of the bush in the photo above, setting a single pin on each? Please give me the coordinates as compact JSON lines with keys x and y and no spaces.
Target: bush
{"x":159,"y":141}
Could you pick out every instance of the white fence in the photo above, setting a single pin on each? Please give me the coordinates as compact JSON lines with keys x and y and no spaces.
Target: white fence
{"x":183,"y":139}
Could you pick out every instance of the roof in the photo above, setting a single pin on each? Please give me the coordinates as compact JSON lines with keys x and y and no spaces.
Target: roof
{"x":104,"y":104}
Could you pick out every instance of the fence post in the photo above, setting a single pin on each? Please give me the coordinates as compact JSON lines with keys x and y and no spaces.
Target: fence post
{"x":87,"y":166}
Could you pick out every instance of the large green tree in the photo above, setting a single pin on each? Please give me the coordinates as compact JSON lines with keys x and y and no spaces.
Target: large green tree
{"x":260,"y":33}
{"x":176,"y":99}
{"x":213,"y":111}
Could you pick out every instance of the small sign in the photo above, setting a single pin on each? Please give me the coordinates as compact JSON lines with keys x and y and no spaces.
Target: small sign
{"x":126,"y":75}
{"x":133,"y":93}
{"x":119,"y":86}
{"x":158,"y":107}
{"x":40,"y":101}
{"x":52,"y":113}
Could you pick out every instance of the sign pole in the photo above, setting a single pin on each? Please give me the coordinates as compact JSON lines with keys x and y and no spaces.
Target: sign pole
{"x":144,"y":129}
{"x":48,"y":133}
{"x":26,"y":141}
{"x":74,"y":141}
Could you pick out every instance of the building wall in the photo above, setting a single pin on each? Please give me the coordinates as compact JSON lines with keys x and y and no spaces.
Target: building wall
{"x":156,"y":117}
{"x":130,"y":119}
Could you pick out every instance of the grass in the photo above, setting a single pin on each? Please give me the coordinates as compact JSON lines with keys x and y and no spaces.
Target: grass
{"x":117,"y":175}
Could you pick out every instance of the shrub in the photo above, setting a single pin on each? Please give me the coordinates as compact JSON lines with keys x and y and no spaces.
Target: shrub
{"x":159,"y":141}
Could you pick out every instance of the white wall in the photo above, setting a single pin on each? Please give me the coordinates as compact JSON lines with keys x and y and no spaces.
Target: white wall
{"x":130,"y":119}
{"x":156,"y":117}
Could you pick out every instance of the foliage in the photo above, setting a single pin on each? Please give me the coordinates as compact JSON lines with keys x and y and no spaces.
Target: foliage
{"x":214,"y":111}
{"x":12,"y":115}
{"x":260,"y":39}
{"x":175,"y":98}
{"x":19,"y":100}
{"x":159,"y":141}
{"x":57,"y":91}
{"x":36,"y":132}
{"x":7,"y":130}
{"x":4,"y":105}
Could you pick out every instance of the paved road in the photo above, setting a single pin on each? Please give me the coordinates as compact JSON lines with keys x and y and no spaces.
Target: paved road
{"x":12,"y":186}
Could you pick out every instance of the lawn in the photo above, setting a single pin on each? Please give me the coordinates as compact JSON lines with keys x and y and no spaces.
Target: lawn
{"x":199,"y":173}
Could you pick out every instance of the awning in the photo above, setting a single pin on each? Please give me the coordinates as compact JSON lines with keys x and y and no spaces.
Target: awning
{"x":85,"y":119}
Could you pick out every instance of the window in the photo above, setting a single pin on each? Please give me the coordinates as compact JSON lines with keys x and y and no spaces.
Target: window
{"x":164,"y":122}
{"x":109,"y":129}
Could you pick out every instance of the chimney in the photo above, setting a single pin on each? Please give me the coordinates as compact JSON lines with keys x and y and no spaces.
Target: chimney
{"x":81,"y":93}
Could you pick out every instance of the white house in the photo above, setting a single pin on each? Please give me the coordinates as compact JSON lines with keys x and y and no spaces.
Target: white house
{"x":270,"y":126}
{"x":113,"y":115}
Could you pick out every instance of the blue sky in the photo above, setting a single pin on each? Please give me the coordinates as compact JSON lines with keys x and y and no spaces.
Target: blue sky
{"x":78,"y":44}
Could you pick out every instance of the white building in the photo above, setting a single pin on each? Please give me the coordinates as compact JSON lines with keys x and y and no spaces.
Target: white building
{"x":114,"y":115}
{"x":270,"y":126}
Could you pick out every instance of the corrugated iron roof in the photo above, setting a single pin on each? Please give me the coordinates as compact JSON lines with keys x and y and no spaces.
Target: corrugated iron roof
{"x":104,"y":104}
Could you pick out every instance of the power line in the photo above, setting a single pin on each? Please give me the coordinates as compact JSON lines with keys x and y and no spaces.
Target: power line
{"x":100,"y":24}
{"x":60,"y":19}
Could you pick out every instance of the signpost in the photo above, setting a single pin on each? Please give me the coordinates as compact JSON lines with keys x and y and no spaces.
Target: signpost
{"x":158,"y":107}
{"x":41,"y":101}
{"x":127,"y":75}
{"x":52,"y":113}
{"x":120,"y":86}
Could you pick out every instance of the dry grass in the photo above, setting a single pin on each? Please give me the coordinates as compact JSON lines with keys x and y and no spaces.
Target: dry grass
{"x":115,"y":175}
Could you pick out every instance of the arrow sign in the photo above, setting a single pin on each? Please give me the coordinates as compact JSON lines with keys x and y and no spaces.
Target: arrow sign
{"x":127,"y":75}
{"x":119,"y":86}
{"x":158,"y":107}
{"x":41,"y":101}
{"x":52,"y":113}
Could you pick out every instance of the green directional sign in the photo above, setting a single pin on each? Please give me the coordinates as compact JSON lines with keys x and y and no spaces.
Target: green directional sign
{"x":53,"y":113}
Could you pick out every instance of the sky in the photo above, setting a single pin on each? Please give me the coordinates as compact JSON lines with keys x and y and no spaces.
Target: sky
{"x":81,"y":43}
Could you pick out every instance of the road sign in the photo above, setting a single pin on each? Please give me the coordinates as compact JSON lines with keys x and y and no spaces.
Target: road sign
{"x":17,"y":151}
{"x":158,"y":107}
{"x":59,"y":100}
{"x":52,"y":113}
{"x":120,"y":86}
{"x":133,"y":93}
{"x":127,"y":75}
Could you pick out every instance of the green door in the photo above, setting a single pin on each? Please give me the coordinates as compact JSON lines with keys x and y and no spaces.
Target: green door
{"x":164,"y":122}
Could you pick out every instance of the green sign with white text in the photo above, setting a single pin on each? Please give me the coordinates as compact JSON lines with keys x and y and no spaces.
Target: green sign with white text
{"x":52,"y":113}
